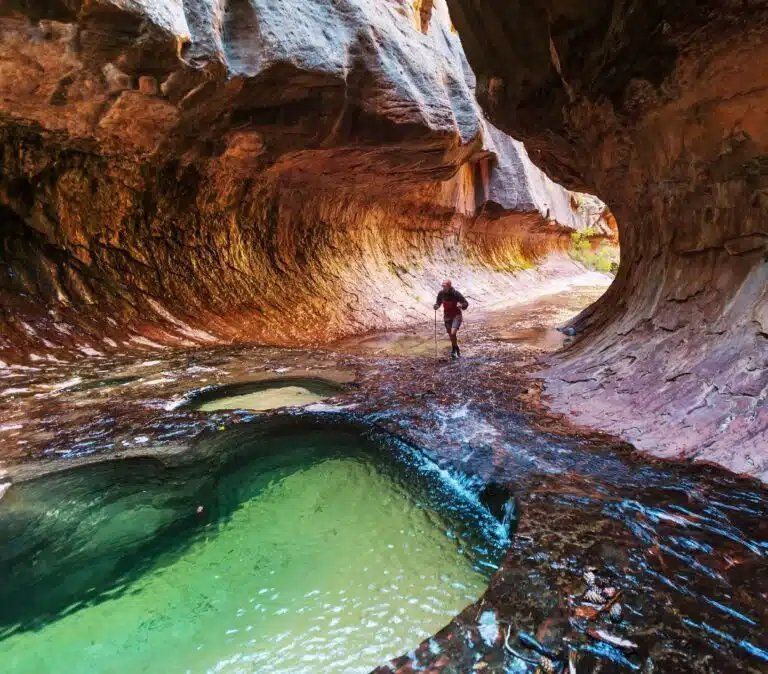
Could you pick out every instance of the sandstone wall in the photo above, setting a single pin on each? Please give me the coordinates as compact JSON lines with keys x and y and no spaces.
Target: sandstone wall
{"x":286,"y":172}
{"x":660,"y":108}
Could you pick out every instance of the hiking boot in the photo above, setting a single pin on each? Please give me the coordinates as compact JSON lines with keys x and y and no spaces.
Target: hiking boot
{"x":457,"y":352}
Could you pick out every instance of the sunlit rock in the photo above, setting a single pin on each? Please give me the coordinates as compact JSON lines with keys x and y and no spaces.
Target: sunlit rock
{"x":185,"y":173}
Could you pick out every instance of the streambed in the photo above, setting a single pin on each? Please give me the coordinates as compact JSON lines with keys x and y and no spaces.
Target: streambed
{"x":686,"y":545}
{"x":265,"y":395}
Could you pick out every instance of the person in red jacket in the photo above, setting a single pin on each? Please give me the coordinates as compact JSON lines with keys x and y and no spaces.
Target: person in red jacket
{"x":452,"y":302}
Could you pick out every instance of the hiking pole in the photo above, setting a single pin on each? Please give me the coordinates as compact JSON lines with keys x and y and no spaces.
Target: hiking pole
{"x":435,"y":334}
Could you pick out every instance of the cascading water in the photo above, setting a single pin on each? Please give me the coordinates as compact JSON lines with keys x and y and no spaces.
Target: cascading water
{"x":686,"y":546}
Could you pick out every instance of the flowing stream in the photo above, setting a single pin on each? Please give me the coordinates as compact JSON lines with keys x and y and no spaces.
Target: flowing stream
{"x":322,"y":538}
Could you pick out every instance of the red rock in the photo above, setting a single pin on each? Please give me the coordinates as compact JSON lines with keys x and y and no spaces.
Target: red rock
{"x":675,"y":144}
{"x":148,"y":85}
{"x":300,"y":158}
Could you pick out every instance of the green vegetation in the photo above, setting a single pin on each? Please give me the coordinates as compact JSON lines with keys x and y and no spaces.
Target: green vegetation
{"x":590,"y":249}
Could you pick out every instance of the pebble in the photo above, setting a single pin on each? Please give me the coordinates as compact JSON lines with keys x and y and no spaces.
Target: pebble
{"x":546,"y":665}
{"x":593,"y":596}
{"x":148,"y":85}
{"x":116,"y":79}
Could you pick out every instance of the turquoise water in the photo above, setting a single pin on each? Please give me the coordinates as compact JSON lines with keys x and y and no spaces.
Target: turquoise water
{"x":277,"y":549}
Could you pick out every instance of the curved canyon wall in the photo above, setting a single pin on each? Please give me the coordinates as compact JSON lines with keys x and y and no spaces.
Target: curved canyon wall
{"x":286,"y":172}
{"x":660,"y":108}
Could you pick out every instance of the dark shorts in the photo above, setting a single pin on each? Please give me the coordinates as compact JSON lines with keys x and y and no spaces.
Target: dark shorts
{"x":453,"y":323}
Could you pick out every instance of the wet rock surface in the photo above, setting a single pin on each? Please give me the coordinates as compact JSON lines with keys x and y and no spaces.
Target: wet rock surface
{"x":658,"y":107}
{"x":683,"y":547}
{"x":292,"y":173}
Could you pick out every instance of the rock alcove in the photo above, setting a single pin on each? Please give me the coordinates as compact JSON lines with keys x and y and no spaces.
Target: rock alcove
{"x":659,"y":107}
{"x":198,"y":193}
{"x":192,"y":173}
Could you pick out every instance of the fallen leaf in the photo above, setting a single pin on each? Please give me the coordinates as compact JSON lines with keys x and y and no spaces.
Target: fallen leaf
{"x":587,"y":612}
{"x":619,"y":642}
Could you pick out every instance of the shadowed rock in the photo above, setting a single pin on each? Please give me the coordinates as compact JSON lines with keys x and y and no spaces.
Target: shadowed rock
{"x":658,"y":107}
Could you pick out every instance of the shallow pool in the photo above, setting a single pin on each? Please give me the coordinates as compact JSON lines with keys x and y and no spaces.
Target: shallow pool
{"x":280,"y":547}
{"x":266,"y":395}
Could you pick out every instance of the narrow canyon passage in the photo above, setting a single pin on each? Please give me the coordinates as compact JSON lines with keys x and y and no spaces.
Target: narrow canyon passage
{"x":659,"y":108}
{"x":233,"y":434}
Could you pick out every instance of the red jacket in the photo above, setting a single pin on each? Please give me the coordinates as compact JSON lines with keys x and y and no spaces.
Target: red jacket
{"x":453,"y":302}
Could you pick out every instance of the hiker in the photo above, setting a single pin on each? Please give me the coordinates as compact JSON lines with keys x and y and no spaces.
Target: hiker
{"x":453,"y":302}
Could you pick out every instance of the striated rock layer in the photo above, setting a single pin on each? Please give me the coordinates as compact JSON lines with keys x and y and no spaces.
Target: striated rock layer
{"x":280,"y":171}
{"x":660,"y":108}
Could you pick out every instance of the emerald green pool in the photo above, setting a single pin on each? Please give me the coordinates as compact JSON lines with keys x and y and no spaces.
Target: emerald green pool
{"x":281,"y":547}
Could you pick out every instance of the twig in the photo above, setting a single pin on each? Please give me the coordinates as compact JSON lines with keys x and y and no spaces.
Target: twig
{"x":524,"y":658}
